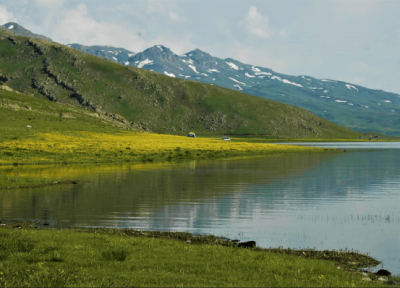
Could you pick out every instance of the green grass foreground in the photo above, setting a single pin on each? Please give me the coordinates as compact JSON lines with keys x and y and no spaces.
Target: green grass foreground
{"x":37,"y":257}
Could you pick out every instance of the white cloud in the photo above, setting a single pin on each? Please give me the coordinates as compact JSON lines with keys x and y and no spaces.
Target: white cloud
{"x":175,"y":17}
{"x":159,"y":6}
{"x":6,"y":16}
{"x":257,"y":24}
{"x":48,"y":3}
{"x":77,"y":27}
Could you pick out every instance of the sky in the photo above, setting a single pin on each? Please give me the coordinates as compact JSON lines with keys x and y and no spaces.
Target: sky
{"x":355,"y":41}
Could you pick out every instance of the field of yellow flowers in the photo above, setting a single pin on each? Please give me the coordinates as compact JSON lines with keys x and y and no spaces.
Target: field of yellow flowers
{"x":90,"y":147}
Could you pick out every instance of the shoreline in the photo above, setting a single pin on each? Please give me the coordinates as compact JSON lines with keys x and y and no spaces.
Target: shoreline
{"x":347,"y":261}
{"x":175,"y":155}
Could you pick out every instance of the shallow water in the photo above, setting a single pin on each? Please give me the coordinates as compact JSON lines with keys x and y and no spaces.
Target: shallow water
{"x":317,"y":200}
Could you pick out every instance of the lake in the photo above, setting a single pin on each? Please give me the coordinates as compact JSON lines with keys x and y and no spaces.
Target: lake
{"x":327,"y":200}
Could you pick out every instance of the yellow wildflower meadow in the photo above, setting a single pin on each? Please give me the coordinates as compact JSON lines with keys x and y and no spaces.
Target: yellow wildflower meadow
{"x":88,"y":147}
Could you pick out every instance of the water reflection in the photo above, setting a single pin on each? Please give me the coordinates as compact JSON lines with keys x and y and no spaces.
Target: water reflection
{"x":321,"y":200}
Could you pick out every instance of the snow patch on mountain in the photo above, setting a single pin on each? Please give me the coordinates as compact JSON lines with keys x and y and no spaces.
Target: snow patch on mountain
{"x":169,"y":74}
{"x":232,"y":65}
{"x":233,"y":79}
{"x":144,"y":62}
{"x":11,"y":27}
{"x":351,"y":87}
{"x":187,"y":76}
{"x":285,"y":81}
{"x":115,"y":59}
{"x":212,"y":70}
{"x":131,"y":54}
{"x":127,"y":63}
{"x":255,"y":69}
{"x":341,"y":101}
{"x":204,"y":74}
{"x":248,"y":75}
{"x":387,"y":101}
{"x":325,"y":80}
{"x":190,"y":61}
{"x":238,"y":86}
{"x":261,"y":77}
{"x":263,"y":73}
{"x":193,"y":68}
{"x":159,"y":47}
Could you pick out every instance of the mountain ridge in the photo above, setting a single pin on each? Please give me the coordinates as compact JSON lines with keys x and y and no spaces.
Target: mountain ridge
{"x":17,"y":29}
{"x":148,"y":101}
{"x":343,"y":103}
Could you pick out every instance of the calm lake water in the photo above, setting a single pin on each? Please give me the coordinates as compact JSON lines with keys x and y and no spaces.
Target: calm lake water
{"x":317,"y":200}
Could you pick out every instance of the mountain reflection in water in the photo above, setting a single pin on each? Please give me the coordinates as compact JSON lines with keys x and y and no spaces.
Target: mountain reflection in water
{"x":317,"y":200}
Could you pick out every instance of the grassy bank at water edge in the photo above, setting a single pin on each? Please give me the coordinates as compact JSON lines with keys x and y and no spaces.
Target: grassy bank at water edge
{"x":38,"y":257}
{"x":37,"y":131}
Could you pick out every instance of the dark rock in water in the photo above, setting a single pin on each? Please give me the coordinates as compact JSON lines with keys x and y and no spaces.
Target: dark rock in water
{"x":248,"y":244}
{"x":46,"y":224}
{"x":74,"y":182}
{"x":383,"y":272}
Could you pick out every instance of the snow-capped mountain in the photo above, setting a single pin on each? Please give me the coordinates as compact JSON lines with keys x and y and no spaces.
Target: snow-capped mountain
{"x":343,"y":103}
{"x":119,"y":55}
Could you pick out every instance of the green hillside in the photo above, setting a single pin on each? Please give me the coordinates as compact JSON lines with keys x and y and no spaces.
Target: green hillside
{"x":21,"y":116}
{"x":145,"y":100}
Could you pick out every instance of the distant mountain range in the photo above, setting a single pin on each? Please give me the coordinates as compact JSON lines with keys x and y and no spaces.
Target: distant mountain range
{"x":144,"y":100}
{"x":343,"y":103}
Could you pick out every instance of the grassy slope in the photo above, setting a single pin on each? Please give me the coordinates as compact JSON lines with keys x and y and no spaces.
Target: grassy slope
{"x":20,"y":110}
{"x":110,"y":257}
{"x":148,"y":100}
{"x":62,"y":134}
